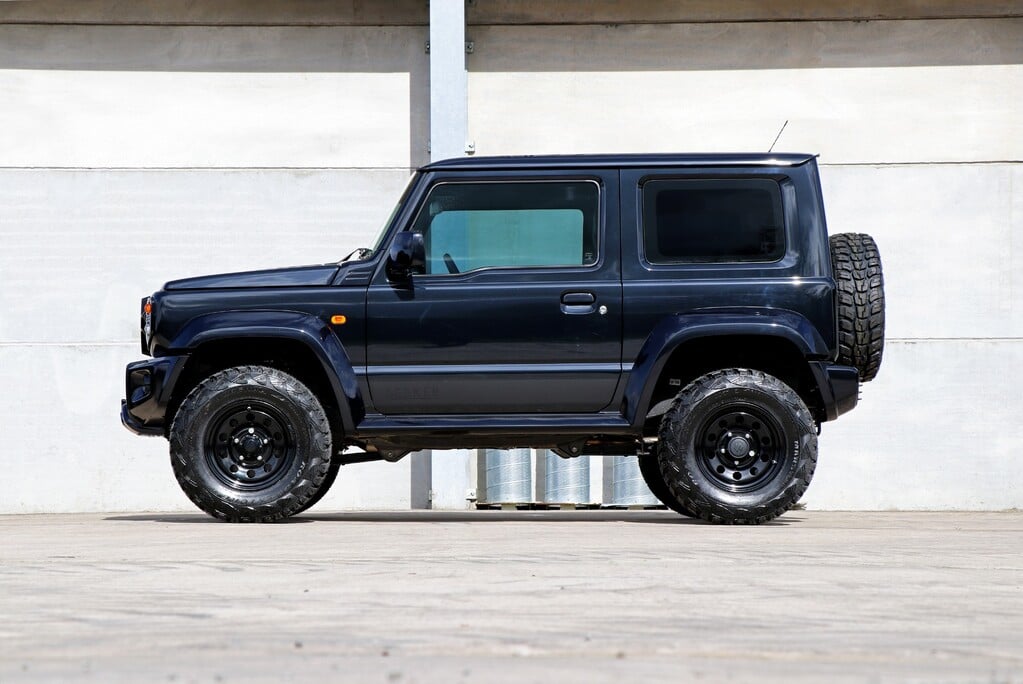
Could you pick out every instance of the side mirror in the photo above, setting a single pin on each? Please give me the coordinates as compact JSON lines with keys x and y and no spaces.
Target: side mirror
{"x":406,"y":256}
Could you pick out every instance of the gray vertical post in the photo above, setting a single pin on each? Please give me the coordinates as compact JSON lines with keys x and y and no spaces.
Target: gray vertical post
{"x":449,"y":121}
{"x":449,"y":82}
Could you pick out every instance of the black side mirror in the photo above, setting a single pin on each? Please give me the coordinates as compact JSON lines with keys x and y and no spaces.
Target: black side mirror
{"x":406,"y":256}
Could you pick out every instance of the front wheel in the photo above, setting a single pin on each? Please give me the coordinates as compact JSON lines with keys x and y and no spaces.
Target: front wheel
{"x":251,"y":444}
{"x":737,"y":446}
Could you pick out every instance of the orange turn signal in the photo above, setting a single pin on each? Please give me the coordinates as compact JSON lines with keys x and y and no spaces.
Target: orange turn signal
{"x":338,"y":319}
{"x":148,"y":308}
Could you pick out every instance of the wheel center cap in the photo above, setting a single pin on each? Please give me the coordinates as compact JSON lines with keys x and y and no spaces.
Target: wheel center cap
{"x":250,"y":444}
{"x":738,"y":447}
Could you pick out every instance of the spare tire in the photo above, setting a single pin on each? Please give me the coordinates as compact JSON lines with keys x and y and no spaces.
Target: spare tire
{"x":856,"y":266}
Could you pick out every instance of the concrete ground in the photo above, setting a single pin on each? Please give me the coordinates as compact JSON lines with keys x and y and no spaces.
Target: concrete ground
{"x":602,"y":596}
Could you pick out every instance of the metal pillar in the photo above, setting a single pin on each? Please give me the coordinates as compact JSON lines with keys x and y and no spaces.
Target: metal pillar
{"x":442,"y":479}
{"x":449,"y":82}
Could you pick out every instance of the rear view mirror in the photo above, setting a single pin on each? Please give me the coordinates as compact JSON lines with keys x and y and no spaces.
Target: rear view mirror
{"x":406,"y":256}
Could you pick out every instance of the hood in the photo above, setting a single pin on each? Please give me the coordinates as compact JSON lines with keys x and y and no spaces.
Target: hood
{"x":298,"y":276}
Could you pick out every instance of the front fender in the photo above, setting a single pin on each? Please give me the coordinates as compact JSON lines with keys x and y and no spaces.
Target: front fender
{"x":678,"y":329}
{"x":304,"y":328}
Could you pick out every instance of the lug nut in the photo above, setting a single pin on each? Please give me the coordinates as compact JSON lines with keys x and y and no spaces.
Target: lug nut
{"x":252,"y":431}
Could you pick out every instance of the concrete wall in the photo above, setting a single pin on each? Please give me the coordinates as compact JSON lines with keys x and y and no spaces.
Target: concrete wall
{"x":139,"y":152}
{"x":243,"y":134}
{"x":919,"y":126}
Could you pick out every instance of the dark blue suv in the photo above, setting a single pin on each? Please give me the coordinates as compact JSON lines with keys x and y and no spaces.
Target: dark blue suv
{"x":688,"y":309}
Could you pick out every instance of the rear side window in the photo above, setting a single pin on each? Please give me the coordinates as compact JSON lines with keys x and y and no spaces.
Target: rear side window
{"x":712,"y":221}
{"x":468,"y":226}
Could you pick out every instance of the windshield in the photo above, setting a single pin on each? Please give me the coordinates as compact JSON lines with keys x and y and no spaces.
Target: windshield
{"x":366,"y":252}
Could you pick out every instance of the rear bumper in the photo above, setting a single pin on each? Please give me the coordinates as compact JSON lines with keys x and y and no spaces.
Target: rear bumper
{"x":839,"y":387}
{"x":148,"y":386}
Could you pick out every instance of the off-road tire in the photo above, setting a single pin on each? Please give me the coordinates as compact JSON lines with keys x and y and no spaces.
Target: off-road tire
{"x":328,"y":482}
{"x":736,"y":407}
{"x":650,"y":469}
{"x":238,"y":402}
{"x":856,"y":266}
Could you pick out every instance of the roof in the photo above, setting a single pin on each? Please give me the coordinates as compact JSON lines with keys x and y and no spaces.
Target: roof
{"x":573,"y":161}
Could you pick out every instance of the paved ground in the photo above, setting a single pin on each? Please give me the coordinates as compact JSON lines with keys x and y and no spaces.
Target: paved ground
{"x":520,"y":596}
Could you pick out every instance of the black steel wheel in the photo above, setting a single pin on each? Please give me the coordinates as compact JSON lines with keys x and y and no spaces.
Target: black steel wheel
{"x":737,"y":446}
{"x":651,"y":472}
{"x":251,"y":444}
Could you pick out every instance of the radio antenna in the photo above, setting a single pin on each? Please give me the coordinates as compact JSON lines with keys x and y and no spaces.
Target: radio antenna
{"x":771,"y":148}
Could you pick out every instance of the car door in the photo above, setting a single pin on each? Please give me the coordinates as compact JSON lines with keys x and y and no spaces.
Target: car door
{"x":519,"y":308}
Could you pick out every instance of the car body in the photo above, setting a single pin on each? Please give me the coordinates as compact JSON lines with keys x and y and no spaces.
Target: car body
{"x":529,"y":302}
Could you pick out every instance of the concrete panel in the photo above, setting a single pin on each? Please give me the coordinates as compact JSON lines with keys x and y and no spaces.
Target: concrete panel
{"x":225,"y":97}
{"x":406,"y":12}
{"x":949,"y":242}
{"x":760,"y":45}
{"x":230,"y":12}
{"x":68,"y":452}
{"x":911,"y":114}
{"x":929,"y":432}
{"x":145,"y":119}
{"x":662,"y":11}
{"x":229,"y":49}
{"x":78,"y":249}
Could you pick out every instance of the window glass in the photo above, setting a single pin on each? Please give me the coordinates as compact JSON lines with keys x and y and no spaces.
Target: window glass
{"x":712,"y":221}
{"x":467,"y":226}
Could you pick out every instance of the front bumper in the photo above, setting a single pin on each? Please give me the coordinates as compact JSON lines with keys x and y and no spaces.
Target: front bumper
{"x":148,"y":387}
{"x":839,"y":387}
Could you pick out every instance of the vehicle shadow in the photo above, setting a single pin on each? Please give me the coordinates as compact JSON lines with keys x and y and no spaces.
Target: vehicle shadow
{"x":472,"y":517}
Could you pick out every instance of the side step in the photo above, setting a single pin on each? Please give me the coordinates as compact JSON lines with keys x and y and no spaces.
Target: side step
{"x":545,"y":424}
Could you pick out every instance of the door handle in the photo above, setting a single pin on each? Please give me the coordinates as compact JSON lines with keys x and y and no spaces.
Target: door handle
{"x":577,"y":298}
{"x":574,"y":303}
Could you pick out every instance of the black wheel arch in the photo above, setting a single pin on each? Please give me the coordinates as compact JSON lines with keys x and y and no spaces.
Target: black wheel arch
{"x":684,"y":347}
{"x":300,"y":345}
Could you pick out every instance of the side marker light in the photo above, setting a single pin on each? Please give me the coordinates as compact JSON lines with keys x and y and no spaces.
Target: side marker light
{"x":338,"y":319}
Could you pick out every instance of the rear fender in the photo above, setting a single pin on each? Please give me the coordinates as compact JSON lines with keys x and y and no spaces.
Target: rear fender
{"x":303,"y":328}
{"x":676,"y":330}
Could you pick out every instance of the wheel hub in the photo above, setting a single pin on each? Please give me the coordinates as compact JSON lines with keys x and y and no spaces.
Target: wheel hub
{"x":248,"y":445}
{"x":740,"y":448}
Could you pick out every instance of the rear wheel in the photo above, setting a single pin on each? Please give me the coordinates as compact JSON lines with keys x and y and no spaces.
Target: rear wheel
{"x":737,"y":446}
{"x":251,"y":444}
{"x":651,"y":471}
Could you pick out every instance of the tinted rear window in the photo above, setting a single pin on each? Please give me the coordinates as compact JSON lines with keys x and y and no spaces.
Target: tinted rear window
{"x":712,"y":221}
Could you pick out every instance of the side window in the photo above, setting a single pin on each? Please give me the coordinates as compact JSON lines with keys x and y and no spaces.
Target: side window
{"x":467,"y":226}
{"x":709,"y":221}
